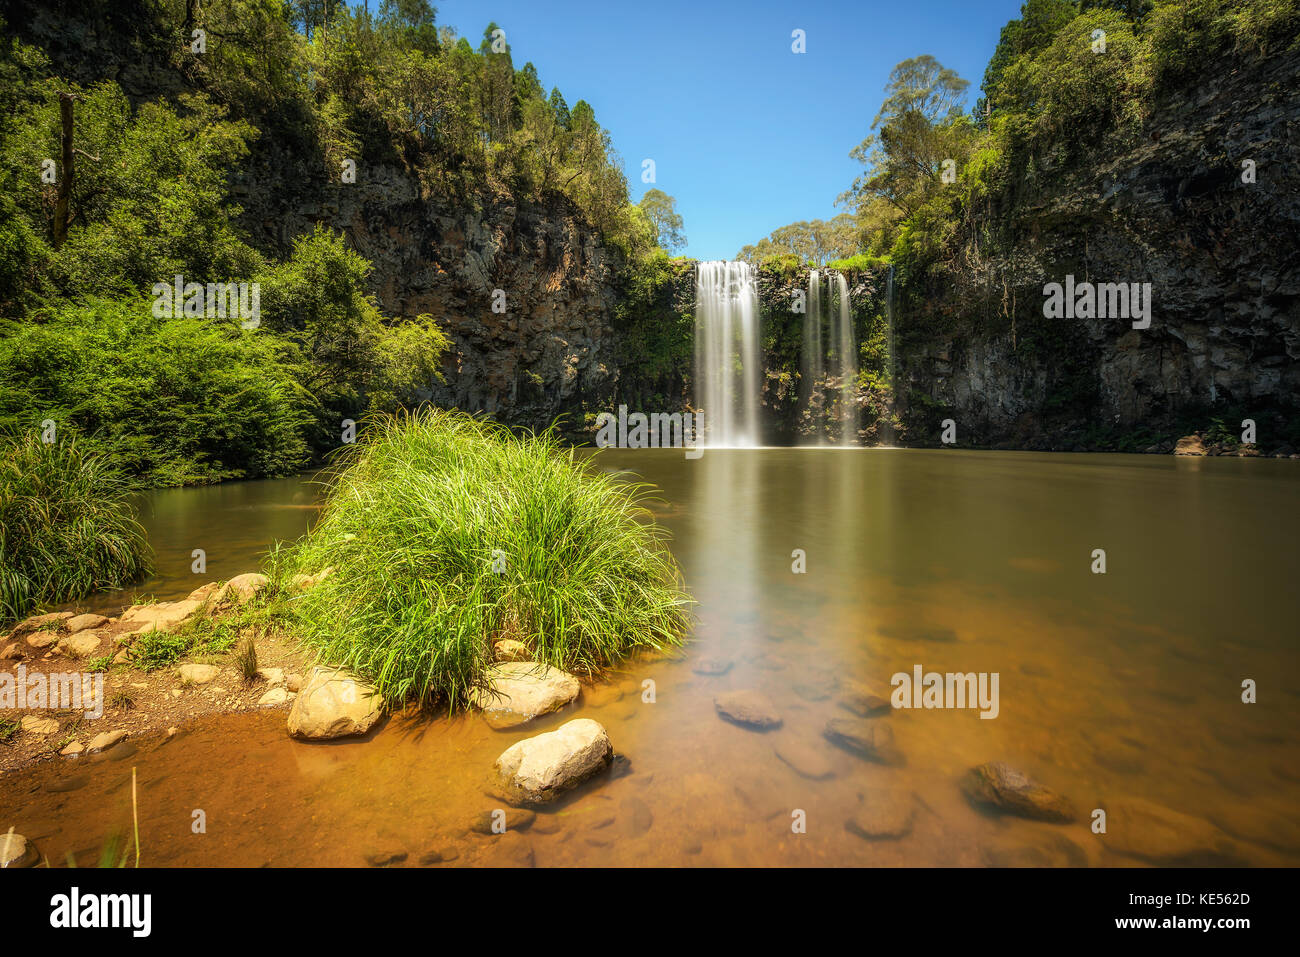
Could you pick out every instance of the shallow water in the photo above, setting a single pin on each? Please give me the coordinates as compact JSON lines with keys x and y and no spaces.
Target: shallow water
{"x":1114,"y":686}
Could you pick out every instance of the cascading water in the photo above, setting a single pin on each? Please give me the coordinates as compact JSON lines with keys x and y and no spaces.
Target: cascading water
{"x":828,"y":329}
{"x":728,"y":359}
{"x":847,"y":351}
{"x":814,"y":352}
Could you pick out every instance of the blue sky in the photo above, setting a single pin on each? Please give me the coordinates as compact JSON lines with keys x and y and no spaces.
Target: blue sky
{"x":747,"y":135}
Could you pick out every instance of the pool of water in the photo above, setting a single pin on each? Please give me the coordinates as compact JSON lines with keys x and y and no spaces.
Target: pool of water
{"x":1111,"y":686}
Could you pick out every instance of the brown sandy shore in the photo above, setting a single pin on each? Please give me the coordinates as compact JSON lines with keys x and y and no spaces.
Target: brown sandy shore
{"x":137,"y":703}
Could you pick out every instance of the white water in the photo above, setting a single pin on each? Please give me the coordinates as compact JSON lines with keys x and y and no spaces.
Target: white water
{"x":728,"y":353}
{"x":847,"y":353}
{"x":828,"y":327}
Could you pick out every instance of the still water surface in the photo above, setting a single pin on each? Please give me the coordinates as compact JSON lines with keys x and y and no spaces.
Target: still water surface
{"x":1115,"y":686}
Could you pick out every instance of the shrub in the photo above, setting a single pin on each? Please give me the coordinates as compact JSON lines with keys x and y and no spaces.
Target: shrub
{"x":447,"y":532}
{"x":178,"y":401}
{"x":67,"y":525}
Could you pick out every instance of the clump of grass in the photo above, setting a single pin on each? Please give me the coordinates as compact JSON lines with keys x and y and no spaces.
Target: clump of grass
{"x":67,"y":525}
{"x":121,"y":701}
{"x":447,"y":532}
{"x":246,"y":659}
{"x":9,"y":727}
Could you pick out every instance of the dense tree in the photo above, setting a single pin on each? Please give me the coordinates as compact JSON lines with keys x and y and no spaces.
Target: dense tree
{"x":661,"y":210}
{"x":920,"y":126}
{"x":818,"y":241}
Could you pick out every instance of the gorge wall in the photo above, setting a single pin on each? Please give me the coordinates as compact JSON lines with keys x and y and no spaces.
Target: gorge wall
{"x":1168,"y":207}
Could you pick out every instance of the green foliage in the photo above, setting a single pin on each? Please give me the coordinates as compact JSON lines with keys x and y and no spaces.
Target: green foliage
{"x":347,"y":358}
{"x":858,"y":262}
{"x":658,"y":335}
{"x":67,"y":524}
{"x":816,"y":242}
{"x":148,"y":202}
{"x":177,"y":401}
{"x":661,"y":210}
{"x":419,"y":514}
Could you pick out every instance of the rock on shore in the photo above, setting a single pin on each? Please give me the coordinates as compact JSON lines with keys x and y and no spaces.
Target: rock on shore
{"x":333,"y":704}
{"x":519,"y":691}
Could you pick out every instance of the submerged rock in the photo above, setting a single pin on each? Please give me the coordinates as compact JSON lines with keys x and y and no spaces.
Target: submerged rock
{"x":1055,"y":850}
{"x":439,"y":855}
{"x":635,"y":815}
{"x":712,"y":667}
{"x":519,"y":691}
{"x":805,"y":759}
{"x":510,"y":849}
{"x":1159,"y":835}
{"x":864,"y":703}
{"x":867,"y":738}
{"x":510,"y":819}
{"x":884,"y":814}
{"x":537,"y":770}
{"x":385,"y":858}
{"x":333,"y":704}
{"x":16,"y":851}
{"x":1001,"y":786}
{"x":753,"y":709}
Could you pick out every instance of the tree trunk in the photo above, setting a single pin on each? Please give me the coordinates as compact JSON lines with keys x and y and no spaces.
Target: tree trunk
{"x":66,"y":172}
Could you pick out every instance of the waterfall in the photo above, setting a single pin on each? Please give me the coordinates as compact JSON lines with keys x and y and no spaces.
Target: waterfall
{"x":847,"y":352}
{"x":814,"y":352}
{"x":828,"y":329}
{"x":728,"y":354}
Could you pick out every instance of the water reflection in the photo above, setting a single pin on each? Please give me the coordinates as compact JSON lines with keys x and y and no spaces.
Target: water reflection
{"x":1115,"y":688}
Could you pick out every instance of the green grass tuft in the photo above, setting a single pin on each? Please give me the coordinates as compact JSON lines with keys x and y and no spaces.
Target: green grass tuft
{"x":67,"y":525}
{"x":420,"y":513}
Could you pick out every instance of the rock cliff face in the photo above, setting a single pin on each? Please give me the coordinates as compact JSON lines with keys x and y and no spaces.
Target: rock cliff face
{"x":1169,"y":207}
{"x":525,"y":293}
